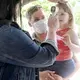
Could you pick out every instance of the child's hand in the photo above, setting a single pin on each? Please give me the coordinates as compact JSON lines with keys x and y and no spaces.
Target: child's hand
{"x":66,"y":39}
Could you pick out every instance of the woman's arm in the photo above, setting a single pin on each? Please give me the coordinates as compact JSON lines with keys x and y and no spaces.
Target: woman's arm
{"x":17,"y":48}
{"x":75,"y":44}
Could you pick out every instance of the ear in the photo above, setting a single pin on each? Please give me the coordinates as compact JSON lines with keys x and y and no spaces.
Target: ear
{"x":29,"y":24}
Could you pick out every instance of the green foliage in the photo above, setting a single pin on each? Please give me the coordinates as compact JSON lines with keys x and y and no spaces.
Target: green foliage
{"x":77,"y":15}
{"x":47,"y":5}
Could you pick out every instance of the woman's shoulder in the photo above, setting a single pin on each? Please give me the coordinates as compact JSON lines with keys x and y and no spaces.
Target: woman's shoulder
{"x":73,"y":30}
{"x":73,"y":34}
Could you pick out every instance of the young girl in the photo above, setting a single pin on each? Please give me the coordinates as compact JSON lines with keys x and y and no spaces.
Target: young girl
{"x":67,"y":41}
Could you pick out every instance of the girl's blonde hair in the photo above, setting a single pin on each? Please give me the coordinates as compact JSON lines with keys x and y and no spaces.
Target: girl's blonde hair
{"x":67,"y":8}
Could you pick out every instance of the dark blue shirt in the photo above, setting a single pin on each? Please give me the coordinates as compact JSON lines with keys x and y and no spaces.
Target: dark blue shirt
{"x":18,"y":50}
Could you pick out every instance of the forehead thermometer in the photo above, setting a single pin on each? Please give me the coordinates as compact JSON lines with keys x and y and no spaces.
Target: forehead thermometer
{"x":54,"y":10}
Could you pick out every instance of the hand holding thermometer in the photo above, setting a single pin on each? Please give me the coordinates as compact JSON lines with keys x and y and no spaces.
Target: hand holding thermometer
{"x":54,"y":10}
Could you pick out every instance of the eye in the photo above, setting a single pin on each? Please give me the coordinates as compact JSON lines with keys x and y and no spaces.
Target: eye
{"x":62,"y":13}
{"x":35,"y":20}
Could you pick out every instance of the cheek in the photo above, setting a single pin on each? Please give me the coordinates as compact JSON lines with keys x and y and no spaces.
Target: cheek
{"x":61,"y":17}
{"x":66,"y":18}
{"x":31,"y":22}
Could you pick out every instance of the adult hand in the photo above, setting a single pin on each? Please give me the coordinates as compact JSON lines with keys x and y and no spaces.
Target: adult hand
{"x":44,"y":75}
{"x":55,"y":77}
{"x":53,"y":25}
{"x":49,"y":75}
{"x":53,"y":22}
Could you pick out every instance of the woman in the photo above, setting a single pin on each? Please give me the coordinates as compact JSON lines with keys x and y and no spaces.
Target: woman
{"x":19,"y":55}
{"x":37,"y":21}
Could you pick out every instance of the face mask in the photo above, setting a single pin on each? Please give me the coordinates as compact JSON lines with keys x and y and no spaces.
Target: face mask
{"x":40,"y":26}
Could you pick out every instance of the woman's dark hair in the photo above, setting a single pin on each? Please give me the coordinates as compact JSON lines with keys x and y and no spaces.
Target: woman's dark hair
{"x":8,"y":9}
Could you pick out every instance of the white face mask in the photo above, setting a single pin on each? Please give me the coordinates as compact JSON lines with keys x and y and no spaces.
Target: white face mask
{"x":40,"y":26}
